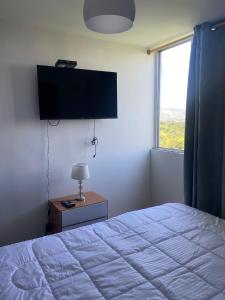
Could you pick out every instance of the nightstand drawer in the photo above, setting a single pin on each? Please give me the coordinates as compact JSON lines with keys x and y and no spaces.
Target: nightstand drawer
{"x":83,"y":224}
{"x":84,"y":214}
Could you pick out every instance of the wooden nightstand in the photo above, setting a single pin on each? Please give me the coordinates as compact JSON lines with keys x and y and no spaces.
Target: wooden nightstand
{"x":93,"y":210}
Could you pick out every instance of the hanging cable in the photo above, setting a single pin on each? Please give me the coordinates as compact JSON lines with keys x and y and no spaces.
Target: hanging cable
{"x":51,"y":123}
{"x":94,"y":141}
{"x":48,"y":161}
{"x":56,"y":123}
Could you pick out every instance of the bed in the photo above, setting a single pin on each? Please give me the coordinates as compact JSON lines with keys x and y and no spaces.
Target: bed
{"x":166,"y":252}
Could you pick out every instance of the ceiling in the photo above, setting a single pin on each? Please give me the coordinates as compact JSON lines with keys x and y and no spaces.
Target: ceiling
{"x":156,"y":20}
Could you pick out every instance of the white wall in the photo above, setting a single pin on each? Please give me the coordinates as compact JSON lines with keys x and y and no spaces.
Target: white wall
{"x":166,"y":176}
{"x":121,"y":170}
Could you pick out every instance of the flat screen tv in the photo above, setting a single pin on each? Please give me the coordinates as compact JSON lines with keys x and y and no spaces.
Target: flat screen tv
{"x":66,"y":93}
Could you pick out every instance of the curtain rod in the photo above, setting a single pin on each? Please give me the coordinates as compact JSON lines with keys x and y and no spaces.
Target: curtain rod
{"x":218,"y":25}
{"x":170,"y":43}
{"x":183,"y":38}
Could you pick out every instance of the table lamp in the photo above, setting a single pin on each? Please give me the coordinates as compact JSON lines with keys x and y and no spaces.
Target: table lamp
{"x":80,"y":172}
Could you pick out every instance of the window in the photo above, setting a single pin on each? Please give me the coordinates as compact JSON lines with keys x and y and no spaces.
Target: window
{"x":173,"y":79}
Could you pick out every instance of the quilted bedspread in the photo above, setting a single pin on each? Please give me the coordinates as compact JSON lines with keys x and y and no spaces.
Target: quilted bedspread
{"x":166,"y":252}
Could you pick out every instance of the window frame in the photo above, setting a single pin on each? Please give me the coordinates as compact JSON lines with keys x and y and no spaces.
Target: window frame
{"x":157,"y":92}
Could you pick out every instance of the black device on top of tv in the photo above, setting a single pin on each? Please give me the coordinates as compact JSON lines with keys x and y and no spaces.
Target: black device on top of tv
{"x":66,"y":93}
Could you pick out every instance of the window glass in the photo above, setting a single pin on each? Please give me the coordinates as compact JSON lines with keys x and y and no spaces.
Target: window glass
{"x":174,"y":67}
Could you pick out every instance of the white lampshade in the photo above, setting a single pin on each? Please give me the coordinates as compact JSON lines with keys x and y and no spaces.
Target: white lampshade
{"x":109,"y":16}
{"x":80,"y":172}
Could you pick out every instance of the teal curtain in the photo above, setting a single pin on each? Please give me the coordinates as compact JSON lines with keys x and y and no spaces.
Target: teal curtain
{"x":204,"y":155}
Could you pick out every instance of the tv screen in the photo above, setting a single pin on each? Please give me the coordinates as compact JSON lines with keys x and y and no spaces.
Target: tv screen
{"x":66,"y":93}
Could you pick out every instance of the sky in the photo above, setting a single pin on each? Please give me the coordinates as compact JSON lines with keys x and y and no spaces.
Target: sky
{"x":174,"y":76}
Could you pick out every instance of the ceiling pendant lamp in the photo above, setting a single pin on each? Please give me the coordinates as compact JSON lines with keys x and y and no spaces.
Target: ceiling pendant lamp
{"x":109,"y":16}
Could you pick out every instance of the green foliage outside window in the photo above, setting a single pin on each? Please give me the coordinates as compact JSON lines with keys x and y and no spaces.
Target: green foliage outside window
{"x":171,"y":135}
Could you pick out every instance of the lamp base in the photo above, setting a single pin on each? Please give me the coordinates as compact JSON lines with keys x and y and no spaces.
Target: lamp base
{"x":80,"y":197}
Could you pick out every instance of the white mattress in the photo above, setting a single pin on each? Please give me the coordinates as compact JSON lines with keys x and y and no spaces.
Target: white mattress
{"x":166,"y":252}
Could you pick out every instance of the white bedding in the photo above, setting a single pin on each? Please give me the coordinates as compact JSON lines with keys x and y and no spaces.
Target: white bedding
{"x":166,"y":252}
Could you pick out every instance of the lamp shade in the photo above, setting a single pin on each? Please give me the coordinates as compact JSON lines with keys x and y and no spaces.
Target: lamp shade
{"x":109,"y":16}
{"x":80,"y":172}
